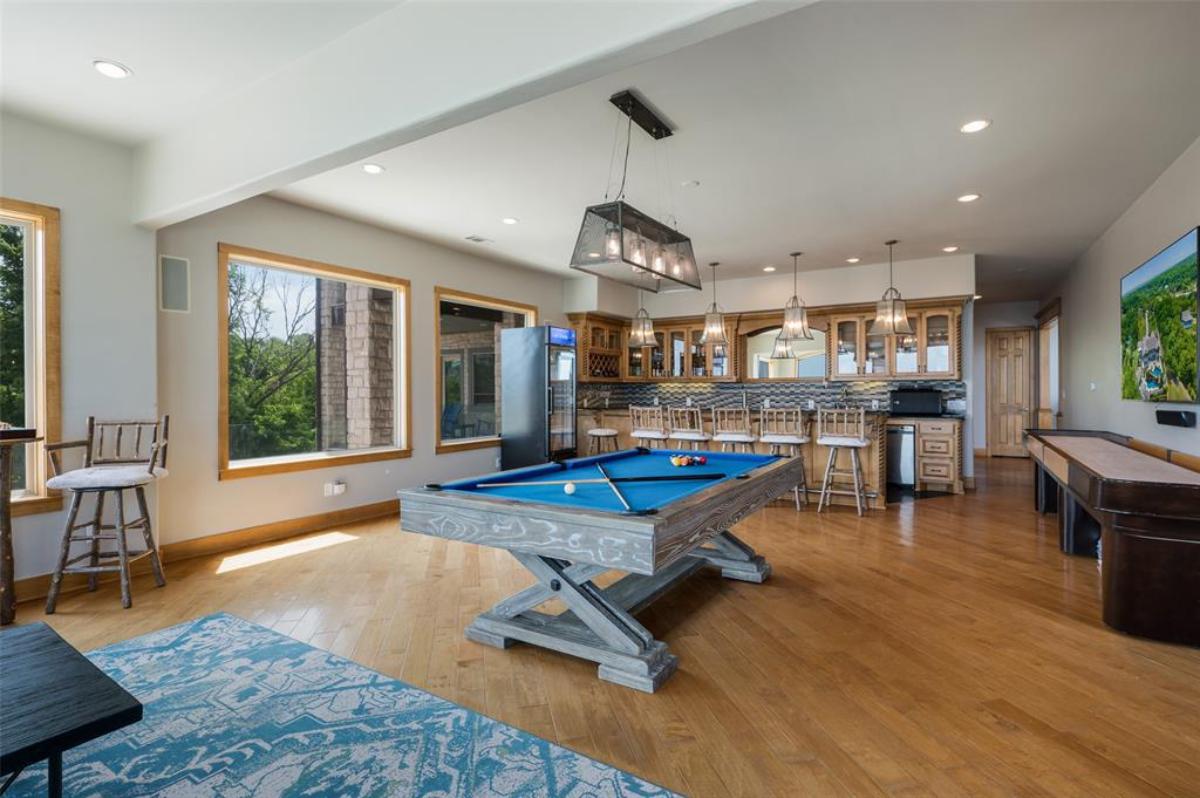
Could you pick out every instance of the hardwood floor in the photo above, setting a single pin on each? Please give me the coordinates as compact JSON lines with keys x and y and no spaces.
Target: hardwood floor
{"x":944,"y":647}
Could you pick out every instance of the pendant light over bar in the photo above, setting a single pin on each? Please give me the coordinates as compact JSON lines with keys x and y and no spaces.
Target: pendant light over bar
{"x":618,"y":242}
{"x":714,"y":320}
{"x":795,"y":316}
{"x":891,"y":314}
{"x":641,"y":331}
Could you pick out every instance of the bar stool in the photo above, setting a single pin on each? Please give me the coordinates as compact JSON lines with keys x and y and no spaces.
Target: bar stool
{"x":687,"y":427}
{"x":649,"y":426}
{"x":731,"y":428}
{"x":783,"y":427}
{"x":837,"y":429}
{"x":117,"y":456}
{"x":602,"y":439}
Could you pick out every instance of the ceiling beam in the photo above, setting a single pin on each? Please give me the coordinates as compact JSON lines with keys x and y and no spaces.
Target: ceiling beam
{"x":415,"y":70}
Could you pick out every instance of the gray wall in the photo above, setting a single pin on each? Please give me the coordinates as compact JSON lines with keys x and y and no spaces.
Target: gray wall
{"x":1091,"y":395}
{"x":194,"y":502}
{"x":108,"y":289}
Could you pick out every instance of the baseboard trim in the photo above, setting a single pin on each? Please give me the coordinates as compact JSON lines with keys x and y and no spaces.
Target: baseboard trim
{"x":981,"y":452}
{"x":34,"y":588}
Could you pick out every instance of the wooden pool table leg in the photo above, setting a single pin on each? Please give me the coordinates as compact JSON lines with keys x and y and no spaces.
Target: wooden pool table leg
{"x":597,"y":626}
{"x":735,"y":558}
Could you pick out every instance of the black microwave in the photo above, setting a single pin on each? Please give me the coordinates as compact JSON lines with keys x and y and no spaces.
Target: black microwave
{"x":916,"y":403}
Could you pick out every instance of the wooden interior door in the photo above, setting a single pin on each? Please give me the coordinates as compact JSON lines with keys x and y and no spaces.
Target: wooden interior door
{"x":1009,"y":390}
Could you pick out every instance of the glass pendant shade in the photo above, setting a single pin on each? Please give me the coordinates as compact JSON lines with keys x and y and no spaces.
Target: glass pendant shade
{"x":638,"y":250}
{"x":714,"y":326}
{"x":714,"y":320}
{"x":891,"y":314}
{"x":641,"y":333}
{"x":795,"y":321}
{"x":782,"y":349}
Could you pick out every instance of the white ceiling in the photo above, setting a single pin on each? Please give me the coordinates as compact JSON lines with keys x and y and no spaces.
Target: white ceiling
{"x":831,"y":129}
{"x":184,"y":55}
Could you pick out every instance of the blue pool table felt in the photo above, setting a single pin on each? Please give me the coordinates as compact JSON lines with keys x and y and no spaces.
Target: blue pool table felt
{"x":642,"y":496}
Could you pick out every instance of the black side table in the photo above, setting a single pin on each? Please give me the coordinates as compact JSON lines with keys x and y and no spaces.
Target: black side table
{"x":52,"y":698}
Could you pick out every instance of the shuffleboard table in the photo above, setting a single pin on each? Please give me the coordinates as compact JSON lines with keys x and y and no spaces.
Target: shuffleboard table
{"x":1141,"y":513}
{"x":630,"y":511}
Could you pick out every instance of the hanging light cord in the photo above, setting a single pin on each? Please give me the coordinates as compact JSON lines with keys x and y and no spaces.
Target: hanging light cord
{"x":795,"y":291}
{"x":625,"y":167}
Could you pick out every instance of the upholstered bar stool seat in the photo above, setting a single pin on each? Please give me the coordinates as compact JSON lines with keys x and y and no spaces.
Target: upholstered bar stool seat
{"x":846,"y":441}
{"x":105,"y":478}
{"x":780,"y":439}
{"x":602,"y":439}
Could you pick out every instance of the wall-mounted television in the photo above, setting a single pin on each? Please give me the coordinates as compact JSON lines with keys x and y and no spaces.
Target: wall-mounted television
{"x":1159,"y":317}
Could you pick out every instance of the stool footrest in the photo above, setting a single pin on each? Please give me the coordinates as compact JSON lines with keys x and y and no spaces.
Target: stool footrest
{"x":71,"y":568}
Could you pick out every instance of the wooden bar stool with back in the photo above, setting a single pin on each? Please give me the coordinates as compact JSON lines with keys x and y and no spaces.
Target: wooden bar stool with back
{"x":731,"y":429}
{"x":117,"y":456}
{"x":837,"y":429}
{"x":687,"y":427}
{"x":782,"y":428}
{"x":649,"y":426}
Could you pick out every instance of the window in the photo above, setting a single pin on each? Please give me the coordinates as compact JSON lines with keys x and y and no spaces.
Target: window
{"x":29,"y":340}
{"x":313,"y":364}
{"x":468,"y":348}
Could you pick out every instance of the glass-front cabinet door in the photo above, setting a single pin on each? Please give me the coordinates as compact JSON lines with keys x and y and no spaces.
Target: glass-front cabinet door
{"x":846,"y":347}
{"x":635,"y":362}
{"x":699,"y":353}
{"x":657,"y":352}
{"x":677,"y":365}
{"x":936,"y":339}
{"x":719,"y":358}
{"x":875,"y":360}
{"x":906,"y":357}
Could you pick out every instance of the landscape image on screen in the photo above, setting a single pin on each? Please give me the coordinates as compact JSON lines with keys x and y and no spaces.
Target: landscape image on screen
{"x":1158,"y":325}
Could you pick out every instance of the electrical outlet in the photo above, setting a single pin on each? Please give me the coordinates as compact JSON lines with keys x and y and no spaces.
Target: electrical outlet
{"x":497,"y":463}
{"x":336,"y":488}
{"x":328,"y":489}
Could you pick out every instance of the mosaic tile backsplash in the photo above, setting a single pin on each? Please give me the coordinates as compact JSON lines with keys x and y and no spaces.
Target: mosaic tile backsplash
{"x":731,"y":394}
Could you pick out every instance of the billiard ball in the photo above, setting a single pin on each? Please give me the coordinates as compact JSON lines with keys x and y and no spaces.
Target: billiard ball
{"x":569,"y":488}
{"x":702,"y":460}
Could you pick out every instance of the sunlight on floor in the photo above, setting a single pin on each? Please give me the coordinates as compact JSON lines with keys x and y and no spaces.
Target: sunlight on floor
{"x":281,"y":550}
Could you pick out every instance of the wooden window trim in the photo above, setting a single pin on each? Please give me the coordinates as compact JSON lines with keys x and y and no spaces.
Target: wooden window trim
{"x":441,"y":293}
{"x":316,"y":460}
{"x":46,"y":221}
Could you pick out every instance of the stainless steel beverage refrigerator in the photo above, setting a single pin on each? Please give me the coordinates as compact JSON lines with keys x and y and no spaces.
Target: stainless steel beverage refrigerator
{"x":537,"y":395}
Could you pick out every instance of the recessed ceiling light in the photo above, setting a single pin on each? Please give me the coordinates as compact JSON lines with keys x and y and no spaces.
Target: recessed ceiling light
{"x":510,"y":220}
{"x":975,"y":125}
{"x":111,"y":69}
{"x":373,"y":169}
{"x":949,"y":249}
{"x":768,"y":268}
{"x":690,"y":183}
{"x":853,"y":260}
{"x":968,"y":198}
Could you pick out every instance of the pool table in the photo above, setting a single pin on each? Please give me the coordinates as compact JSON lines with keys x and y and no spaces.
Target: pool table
{"x":658,"y":531}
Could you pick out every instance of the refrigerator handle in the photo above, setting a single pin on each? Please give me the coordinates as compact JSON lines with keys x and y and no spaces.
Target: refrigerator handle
{"x":549,"y":400}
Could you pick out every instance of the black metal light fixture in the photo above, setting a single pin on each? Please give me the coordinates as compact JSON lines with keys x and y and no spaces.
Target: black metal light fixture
{"x":891,"y":314}
{"x":618,"y":242}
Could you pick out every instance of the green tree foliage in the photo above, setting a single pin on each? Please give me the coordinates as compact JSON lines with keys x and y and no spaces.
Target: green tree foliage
{"x":272,"y":363}
{"x":1166,"y":297}
{"x":12,"y":337}
{"x":12,"y":324}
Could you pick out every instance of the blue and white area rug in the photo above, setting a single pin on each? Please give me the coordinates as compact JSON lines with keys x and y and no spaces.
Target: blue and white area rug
{"x":233,"y":709}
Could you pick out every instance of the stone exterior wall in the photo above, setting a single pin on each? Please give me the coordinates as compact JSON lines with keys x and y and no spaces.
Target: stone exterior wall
{"x":356,"y":366}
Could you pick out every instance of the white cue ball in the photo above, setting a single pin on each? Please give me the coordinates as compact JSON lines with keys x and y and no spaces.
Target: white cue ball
{"x":569,"y":488}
